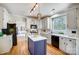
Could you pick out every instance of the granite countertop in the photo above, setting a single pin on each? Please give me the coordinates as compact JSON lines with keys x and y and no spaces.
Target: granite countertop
{"x":67,"y":36}
{"x":37,"y":37}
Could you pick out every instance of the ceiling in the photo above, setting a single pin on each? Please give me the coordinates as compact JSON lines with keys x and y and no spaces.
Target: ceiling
{"x":23,"y":9}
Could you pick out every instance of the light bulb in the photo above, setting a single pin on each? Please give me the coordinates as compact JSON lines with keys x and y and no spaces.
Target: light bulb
{"x":30,"y":13}
{"x":36,"y":5}
{"x":33,"y":9}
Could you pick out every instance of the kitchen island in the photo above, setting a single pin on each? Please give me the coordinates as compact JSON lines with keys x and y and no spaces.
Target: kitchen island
{"x":37,"y":45}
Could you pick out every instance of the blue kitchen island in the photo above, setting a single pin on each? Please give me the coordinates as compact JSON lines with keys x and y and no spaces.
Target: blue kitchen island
{"x":37,"y":45}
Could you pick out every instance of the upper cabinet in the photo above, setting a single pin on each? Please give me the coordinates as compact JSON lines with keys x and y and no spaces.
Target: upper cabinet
{"x":4,"y":17}
{"x":46,"y":23}
{"x":1,"y":17}
{"x":77,"y":18}
{"x":71,"y":19}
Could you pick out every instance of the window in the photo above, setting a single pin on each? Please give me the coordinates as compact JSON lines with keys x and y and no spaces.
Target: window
{"x":59,"y":24}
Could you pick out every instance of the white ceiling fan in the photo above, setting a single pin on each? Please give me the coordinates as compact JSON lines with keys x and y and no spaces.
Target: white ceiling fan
{"x":39,"y":16}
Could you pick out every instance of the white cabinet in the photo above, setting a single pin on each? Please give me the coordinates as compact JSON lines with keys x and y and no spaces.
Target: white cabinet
{"x":77,"y":18}
{"x":1,"y":17}
{"x":48,"y":36}
{"x":77,"y":47}
{"x":71,"y":46}
{"x":67,"y":45}
{"x":71,"y":19}
{"x":62,"y":43}
{"x":44,"y":23}
{"x":5,"y":44}
{"x":4,"y":17}
{"x":47,"y":23}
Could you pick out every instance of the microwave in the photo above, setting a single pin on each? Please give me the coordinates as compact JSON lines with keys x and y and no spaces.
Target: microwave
{"x":33,"y":26}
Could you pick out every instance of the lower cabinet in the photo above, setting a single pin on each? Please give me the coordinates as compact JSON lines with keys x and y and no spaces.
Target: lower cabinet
{"x":77,"y":47}
{"x":5,"y":43}
{"x":49,"y":39}
{"x":67,"y":45}
{"x":37,"y":47}
{"x":48,"y":36}
{"x":71,"y":46}
{"x":62,"y":44}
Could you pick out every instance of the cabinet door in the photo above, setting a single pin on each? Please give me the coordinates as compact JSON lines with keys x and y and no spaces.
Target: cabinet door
{"x":44,"y":23}
{"x":1,"y":17}
{"x":31,"y":46}
{"x":78,"y":18}
{"x":77,"y":47}
{"x":71,"y":19}
{"x":62,"y":43}
{"x":48,"y":38}
{"x":71,"y":46}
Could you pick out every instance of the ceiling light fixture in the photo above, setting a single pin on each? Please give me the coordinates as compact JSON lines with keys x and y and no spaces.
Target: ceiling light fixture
{"x":30,"y":13}
{"x":34,"y":7}
{"x":52,"y":11}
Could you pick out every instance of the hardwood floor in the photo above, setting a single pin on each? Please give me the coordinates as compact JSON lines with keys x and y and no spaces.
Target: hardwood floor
{"x":51,"y":50}
{"x":22,"y":49}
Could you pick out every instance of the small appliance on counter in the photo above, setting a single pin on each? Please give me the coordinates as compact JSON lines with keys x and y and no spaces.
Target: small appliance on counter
{"x":73,"y":32}
{"x":33,"y":29}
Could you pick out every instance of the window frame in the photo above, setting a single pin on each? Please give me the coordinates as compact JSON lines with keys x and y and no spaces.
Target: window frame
{"x":54,"y":30}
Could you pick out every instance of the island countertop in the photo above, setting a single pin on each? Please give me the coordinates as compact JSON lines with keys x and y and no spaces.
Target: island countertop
{"x":37,"y":37}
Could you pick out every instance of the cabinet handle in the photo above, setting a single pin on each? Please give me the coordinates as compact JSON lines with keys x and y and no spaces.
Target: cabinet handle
{"x":69,"y":40}
{"x":67,"y":44}
{"x":61,"y":38}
